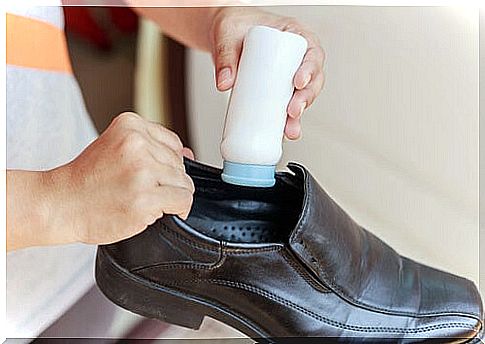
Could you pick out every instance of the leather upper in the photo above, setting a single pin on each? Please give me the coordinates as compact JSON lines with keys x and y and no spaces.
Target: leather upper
{"x":314,"y":272}
{"x":361,"y":268}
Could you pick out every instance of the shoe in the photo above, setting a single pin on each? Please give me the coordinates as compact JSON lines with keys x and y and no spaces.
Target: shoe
{"x":283,"y":263}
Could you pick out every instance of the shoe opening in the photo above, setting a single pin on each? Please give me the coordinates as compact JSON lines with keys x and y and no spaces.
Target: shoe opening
{"x":246,"y":214}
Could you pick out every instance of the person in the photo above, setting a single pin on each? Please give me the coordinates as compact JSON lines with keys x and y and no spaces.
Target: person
{"x":133,"y":173}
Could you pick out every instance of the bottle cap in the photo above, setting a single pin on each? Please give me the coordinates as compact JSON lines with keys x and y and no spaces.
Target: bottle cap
{"x":248,"y":174}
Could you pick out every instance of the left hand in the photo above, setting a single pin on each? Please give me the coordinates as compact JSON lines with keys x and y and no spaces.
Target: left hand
{"x":229,"y":28}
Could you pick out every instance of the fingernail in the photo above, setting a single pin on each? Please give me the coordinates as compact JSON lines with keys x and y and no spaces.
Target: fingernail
{"x":306,"y":81}
{"x":224,"y":77}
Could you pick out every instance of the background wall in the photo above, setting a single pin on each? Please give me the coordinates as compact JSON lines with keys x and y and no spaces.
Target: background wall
{"x":394,"y":135}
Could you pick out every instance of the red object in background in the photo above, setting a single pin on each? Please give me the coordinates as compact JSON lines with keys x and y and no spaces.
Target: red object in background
{"x":80,"y":21}
{"x":124,"y":19}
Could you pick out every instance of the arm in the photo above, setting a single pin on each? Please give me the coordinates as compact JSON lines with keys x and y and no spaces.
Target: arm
{"x":27,"y":211}
{"x":188,"y":25}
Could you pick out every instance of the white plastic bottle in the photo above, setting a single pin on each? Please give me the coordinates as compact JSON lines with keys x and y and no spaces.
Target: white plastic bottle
{"x":256,"y":114}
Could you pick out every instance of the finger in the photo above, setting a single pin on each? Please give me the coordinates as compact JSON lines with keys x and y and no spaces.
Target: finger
{"x":293,"y":128}
{"x":312,"y":65}
{"x":311,"y":37}
{"x":174,"y":200}
{"x":163,"y":200}
{"x":296,"y":107}
{"x":127,"y":120}
{"x":294,"y":26}
{"x":168,"y":176}
{"x":164,"y":155}
{"x":226,"y":56}
{"x":303,"y":76}
{"x":302,"y":99}
{"x":188,"y":153}
{"x":165,"y":136}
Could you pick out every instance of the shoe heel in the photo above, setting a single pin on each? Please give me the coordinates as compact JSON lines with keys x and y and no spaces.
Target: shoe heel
{"x":151,"y":302}
{"x":179,"y":312}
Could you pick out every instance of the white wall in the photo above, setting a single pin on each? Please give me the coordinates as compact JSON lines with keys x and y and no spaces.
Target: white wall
{"x":394,"y":136}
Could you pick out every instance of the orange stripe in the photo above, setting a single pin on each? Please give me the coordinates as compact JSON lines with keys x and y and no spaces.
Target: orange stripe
{"x":32,"y":43}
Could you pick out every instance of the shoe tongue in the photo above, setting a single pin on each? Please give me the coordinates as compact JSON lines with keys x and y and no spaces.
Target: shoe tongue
{"x":326,"y":239}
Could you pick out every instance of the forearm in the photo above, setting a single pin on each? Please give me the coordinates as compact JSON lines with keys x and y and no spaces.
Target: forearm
{"x":188,"y":25}
{"x":31,"y":219}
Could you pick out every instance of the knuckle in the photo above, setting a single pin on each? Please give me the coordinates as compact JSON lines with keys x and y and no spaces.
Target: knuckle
{"x":133,"y":141}
{"x":223,"y":50}
{"x":191,"y":184}
{"x":175,"y":140}
{"x":312,"y":97}
{"x":319,"y":83}
{"x":181,"y":176}
{"x":315,"y":39}
{"x":186,"y":199}
{"x":174,"y":160}
{"x":187,"y":181}
{"x":293,"y":25}
{"x":126,"y":118}
{"x":291,"y":22}
{"x":307,"y":97}
{"x":301,"y":97}
{"x":320,"y":53}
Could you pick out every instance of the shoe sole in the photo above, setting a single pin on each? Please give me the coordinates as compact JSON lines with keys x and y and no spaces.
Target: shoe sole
{"x":155,"y":301}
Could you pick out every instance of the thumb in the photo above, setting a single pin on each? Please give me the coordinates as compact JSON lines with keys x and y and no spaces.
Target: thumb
{"x":188,"y":153}
{"x":226,"y":57}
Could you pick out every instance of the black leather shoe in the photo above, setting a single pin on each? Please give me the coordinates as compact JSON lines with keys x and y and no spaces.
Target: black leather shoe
{"x":283,"y":263}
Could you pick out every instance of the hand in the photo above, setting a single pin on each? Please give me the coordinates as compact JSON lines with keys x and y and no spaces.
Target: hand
{"x":229,"y":28}
{"x":124,"y":181}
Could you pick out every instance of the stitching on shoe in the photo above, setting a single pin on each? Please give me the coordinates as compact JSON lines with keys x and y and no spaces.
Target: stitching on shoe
{"x":127,"y":274}
{"x":318,"y":317}
{"x":239,"y":251}
{"x":336,"y":287}
{"x":298,"y":229}
{"x":186,"y":265}
{"x":303,"y":274}
{"x":229,"y":250}
{"x":177,"y":265}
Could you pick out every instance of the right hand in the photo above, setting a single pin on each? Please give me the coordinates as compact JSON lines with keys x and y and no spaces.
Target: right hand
{"x":124,"y":181}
